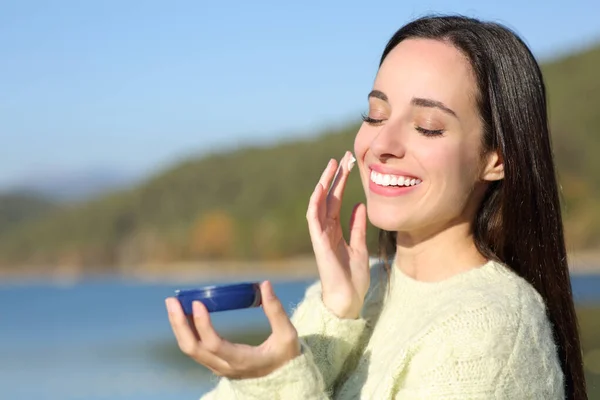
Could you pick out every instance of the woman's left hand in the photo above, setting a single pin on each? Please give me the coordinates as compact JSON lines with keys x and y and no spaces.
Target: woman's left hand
{"x":200,"y":341}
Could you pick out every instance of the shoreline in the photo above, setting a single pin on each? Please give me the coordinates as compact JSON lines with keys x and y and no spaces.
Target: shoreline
{"x":300,"y":268}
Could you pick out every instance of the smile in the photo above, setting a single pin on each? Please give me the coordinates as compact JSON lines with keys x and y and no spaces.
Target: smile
{"x":388,"y":180}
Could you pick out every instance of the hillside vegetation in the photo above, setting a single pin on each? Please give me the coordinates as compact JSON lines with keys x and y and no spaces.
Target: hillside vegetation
{"x":573,"y":85}
{"x":16,"y":208}
{"x":251,"y":203}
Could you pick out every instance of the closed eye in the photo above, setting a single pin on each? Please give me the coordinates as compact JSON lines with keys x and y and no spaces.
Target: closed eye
{"x":423,"y":131}
{"x":370,"y":120}
{"x":430,"y":132}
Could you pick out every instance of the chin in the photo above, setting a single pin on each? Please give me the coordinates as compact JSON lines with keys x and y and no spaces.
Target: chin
{"x":386,"y":218}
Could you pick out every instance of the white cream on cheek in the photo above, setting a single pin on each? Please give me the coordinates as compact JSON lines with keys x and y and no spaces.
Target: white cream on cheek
{"x":351,"y":163}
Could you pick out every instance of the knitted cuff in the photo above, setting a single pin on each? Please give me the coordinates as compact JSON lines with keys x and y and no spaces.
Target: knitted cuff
{"x":330,"y":339}
{"x":297,"y":379}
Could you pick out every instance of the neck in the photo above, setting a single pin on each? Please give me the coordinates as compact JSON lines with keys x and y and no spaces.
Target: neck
{"x":435,"y":257}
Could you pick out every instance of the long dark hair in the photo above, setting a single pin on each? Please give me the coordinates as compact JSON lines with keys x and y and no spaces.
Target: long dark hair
{"x":519,"y":222}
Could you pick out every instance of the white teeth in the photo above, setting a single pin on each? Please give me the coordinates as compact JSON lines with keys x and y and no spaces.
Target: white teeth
{"x":393,"y":180}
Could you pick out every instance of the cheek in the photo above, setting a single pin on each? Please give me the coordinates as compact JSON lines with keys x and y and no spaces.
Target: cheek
{"x":361,"y":143}
{"x":452,"y":169}
{"x":439,"y":160}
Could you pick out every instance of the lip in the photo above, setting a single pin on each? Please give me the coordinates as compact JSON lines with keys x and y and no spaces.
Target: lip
{"x":384,"y":169}
{"x":389,"y":191}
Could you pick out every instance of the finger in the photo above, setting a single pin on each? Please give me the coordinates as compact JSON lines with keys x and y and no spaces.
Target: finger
{"x":181,"y":329}
{"x":190,"y":320}
{"x":328,"y":173}
{"x":358,"y":228}
{"x":278,"y":318}
{"x":187,"y":340}
{"x":315,"y":211}
{"x":209,"y":338}
{"x":334,"y":197}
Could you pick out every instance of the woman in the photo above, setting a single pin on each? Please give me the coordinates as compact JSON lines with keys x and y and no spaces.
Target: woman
{"x":455,"y":159}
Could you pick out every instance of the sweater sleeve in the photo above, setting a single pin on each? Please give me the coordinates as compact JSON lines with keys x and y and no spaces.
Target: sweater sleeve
{"x":333,"y":341}
{"x":326,"y":342}
{"x":299,"y":379}
{"x":329,"y":338}
{"x":482,"y":353}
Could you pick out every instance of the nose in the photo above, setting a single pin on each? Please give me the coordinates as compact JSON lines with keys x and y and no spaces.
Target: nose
{"x":388,"y":143}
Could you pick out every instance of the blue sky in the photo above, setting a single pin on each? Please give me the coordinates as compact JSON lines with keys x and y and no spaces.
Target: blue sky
{"x":134,"y":85}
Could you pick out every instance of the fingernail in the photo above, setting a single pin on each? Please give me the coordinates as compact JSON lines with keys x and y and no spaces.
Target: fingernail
{"x":351,"y":162}
{"x":270,"y":295}
{"x":170,"y":305}
{"x":196,"y":308}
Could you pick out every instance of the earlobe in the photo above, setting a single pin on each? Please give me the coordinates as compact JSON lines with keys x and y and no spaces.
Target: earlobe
{"x":494,"y":168}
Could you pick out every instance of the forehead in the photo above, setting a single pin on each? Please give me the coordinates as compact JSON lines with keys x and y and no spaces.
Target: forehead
{"x":430,"y":69}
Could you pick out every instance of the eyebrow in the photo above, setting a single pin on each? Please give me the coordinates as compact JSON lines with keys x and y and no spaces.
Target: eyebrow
{"x":378,"y":94}
{"x":417,"y":101}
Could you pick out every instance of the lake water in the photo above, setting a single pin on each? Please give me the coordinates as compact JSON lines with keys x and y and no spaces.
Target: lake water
{"x":111,"y":340}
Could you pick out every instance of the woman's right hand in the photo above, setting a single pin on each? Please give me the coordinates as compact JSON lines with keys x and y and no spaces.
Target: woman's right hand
{"x":343,"y":266}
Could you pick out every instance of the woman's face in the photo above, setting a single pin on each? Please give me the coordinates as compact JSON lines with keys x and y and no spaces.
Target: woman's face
{"x":419,"y":149}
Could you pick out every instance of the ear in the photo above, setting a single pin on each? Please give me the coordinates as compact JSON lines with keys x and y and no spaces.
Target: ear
{"x":494,"y":167}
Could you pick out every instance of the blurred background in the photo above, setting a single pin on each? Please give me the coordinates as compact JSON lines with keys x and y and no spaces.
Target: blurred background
{"x":149,"y":146}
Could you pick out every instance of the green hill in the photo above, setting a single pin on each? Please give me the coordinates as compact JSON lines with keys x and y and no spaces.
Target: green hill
{"x":251,"y":203}
{"x":573,"y":85}
{"x":16,"y":208}
{"x":247,"y":203}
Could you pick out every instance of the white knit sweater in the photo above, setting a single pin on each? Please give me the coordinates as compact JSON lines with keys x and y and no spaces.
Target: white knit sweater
{"x":481,"y":334}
